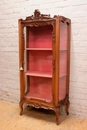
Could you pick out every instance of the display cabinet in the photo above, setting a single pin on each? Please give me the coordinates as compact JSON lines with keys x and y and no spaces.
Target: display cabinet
{"x":44,"y":62}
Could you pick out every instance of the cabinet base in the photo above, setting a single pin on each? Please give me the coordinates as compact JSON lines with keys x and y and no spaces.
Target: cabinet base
{"x":55,"y":109}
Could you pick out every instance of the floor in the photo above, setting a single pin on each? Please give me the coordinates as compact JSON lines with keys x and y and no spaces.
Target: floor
{"x":36,"y":119}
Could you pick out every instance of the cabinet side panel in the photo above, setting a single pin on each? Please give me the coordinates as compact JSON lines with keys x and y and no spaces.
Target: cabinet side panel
{"x":62,"y":88}
{"x":63,"y":61}
{"x":63,"y":36}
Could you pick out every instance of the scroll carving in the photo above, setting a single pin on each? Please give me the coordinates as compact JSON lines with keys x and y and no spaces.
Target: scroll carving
{"x":38,"y":105}
{"x":64,"y":20}
{"x":64,"y":101}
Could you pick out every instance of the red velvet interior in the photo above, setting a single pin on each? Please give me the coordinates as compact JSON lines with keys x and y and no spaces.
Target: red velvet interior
{"x":40,"y":61}
{"x":40,"y":37}
{"x":40,"y":88}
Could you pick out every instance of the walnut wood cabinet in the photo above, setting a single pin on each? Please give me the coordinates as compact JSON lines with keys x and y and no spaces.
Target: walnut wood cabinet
{"x":44,"y":62}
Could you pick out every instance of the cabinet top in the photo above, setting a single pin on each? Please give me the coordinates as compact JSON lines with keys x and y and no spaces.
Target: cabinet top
{"x":44,"y":17}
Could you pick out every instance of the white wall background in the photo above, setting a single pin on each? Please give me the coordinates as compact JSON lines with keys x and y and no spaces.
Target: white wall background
{"x":10,"y":12}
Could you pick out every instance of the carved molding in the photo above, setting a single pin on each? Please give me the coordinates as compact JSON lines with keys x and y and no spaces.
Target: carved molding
{"x":39,"y":105}
{"x":38,"y":19}
{"x":63,"y":19}
{"x":39,"y":23}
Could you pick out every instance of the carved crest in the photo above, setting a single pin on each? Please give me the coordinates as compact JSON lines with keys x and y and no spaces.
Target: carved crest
{"x":37,"y":15}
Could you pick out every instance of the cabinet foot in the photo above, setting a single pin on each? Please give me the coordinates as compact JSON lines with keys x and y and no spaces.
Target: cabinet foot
{"x":67,"y":107}
{"x":21,"y":107}
{"x":57,"y":115}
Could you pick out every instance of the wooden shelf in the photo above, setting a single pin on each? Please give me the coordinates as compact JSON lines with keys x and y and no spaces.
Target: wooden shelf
{"x":43,"y":49}
{"x":62,"y":75}
{"x":39,"y":74}
{"x":45,"y":97}
{"x":38,"y":49}
{"x":42,"y":74}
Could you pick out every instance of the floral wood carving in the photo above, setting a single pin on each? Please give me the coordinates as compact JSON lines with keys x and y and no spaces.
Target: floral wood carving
{"x":37,"y":15}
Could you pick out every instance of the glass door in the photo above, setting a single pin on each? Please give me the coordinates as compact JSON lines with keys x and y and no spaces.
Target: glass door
{"x":39,"y":62}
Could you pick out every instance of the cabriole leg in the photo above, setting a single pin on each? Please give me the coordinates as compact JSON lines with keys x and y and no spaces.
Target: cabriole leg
{"x":57,"y":115}
{"x":21,"y":107}
{"x":67,"y":107}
